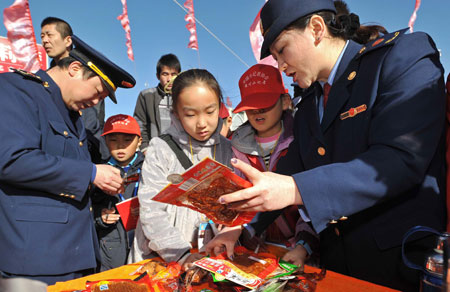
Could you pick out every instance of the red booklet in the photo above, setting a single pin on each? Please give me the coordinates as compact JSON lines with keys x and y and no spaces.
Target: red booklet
{"x":200,"y":187}
{"x":129,"y":212}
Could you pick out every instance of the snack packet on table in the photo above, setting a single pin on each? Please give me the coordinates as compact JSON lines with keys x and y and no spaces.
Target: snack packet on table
{"x":200,"y":187}
{"x":140,"y":284}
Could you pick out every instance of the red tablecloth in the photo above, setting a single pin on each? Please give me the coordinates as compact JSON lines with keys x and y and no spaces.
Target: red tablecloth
{"x":332,"y":282}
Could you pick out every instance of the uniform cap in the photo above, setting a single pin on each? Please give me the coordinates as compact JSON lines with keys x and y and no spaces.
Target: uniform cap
{"x":111,"y":75}
{"x":121,"y":124}
{"x":261,"y":86}
{"x":276,"y":15}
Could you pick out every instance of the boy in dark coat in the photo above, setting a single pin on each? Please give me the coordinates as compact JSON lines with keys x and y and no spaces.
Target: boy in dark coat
{"x":123,"y":138}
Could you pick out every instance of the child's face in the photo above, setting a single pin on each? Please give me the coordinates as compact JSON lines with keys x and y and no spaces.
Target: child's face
{"x":122,"y":146}
{"x":267,"y":121}
{"x":197,"y":109}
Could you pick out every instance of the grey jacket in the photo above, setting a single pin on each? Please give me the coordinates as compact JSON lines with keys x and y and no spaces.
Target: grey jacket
{"x":147,"y":115}
{"x":164,"y":229}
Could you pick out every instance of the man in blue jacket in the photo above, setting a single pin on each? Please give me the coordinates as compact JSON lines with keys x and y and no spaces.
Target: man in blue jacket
{"x":46,"y":174}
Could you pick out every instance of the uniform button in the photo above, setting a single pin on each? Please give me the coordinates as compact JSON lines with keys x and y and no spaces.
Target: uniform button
{"x":321,"y":151}
{"x":333,"y":221}
{"x":62,"y":195}
{"x":343,"y":218}
{"x":90,"y":209}
{"x":336,"y":230}
{"x":66,"y":133}
{"x":67,"y":195}
{"x":72,"y":196}
{"x":81,"y":144}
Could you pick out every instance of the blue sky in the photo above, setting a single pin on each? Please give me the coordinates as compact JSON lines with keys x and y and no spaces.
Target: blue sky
{"x":158,"y":27}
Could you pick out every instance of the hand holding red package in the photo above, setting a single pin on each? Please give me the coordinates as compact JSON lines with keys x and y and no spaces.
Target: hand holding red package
{"x":201,"y":186}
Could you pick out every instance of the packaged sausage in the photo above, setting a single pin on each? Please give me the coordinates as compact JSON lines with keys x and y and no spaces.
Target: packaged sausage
{"x":200,"y":187}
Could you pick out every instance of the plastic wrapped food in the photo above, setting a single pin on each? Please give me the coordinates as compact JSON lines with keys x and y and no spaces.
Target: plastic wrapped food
{"x":141,"y":284}
{"x":199,"y":189}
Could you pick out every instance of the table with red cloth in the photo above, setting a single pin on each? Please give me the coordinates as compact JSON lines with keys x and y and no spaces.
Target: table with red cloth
{"x":332,"y":282}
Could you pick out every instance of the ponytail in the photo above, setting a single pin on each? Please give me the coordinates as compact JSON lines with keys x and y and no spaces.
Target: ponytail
{"x":343,"y":25}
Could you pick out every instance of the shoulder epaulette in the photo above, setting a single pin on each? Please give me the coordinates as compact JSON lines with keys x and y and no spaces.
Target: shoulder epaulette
{"x":387,"y":39}
{"x":27,"y":74}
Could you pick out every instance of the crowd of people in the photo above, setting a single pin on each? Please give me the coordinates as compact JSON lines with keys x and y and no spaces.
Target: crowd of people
{"x":339,"y":173}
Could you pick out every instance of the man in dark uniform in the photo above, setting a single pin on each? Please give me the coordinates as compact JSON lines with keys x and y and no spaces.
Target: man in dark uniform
{"x":46,"y":174}
{"x":56,"y":36}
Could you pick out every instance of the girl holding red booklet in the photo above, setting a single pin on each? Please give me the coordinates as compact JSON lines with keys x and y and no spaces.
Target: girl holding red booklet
{"x":165,"y":230}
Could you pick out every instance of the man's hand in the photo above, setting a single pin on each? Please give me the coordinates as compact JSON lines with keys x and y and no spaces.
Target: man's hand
{"x":108,"y":179}
{"x":270,"y":191}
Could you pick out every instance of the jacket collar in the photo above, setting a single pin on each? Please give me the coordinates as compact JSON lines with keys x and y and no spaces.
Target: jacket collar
{"x":339,"y":94}
{"x":75,"y":123}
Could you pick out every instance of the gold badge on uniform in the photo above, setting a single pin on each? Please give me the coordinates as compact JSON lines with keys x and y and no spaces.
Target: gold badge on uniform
{"x":353,"y":112}
{"x":362,"y":50}
{"x":391,"y":39}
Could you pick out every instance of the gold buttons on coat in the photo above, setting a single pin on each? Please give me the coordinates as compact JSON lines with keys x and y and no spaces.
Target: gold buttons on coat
{"x":333,"y":221}
{"x":62,"y":195}
{"x":321,"y":151}
{"x":352,"y":75}
{"x":362,"y":50}
{"x":81,"y":144}
{"x":66,"y":133}
{"x":343,"y":218}
{"x":45,"y":83}
{"x":72,"y":196}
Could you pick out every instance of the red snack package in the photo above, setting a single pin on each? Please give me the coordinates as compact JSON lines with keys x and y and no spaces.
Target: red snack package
{"x":168,"y":285}
{"x":141,"y":284}
{"x":159,"y":270}
{"x":199,"y":189}
{"x":260,"y":264}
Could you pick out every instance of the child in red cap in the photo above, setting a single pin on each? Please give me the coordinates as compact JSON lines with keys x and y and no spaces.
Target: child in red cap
{"x":261,"y":142}
{"x":224,"y":114}
{"x":123,"y":138}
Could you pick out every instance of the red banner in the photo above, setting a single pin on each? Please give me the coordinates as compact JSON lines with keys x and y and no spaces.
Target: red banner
{"x":17,"y":20}
{"x":191,"y":26}
{"x":125,"y":22}
{"x":256,"y":40}
{"x":8,"y":59}
{"x":413,"y":17}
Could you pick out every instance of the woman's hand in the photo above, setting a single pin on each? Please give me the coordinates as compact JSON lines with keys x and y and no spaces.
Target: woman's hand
{"x":224,"y":241}
{"x":270,"y":191}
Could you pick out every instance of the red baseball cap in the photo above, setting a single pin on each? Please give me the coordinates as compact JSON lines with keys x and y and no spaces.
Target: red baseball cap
{"x":223,"y":112}
{"x":121,"y":124}
{"x":261,"y":86}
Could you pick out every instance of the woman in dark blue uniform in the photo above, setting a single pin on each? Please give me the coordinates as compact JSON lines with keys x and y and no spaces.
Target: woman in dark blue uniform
{"x":367,"y":162}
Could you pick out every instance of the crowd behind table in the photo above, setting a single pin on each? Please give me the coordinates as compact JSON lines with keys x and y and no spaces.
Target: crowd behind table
{"x":357,"y":159}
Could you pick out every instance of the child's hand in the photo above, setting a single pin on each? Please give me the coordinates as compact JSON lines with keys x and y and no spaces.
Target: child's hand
{"x":109,"y":216}
{"x":297,"y":256}
{"x":225,"y":240}
{"x":188,"y":263}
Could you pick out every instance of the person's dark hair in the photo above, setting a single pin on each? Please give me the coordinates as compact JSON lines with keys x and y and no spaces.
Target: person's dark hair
{"x":169,"y":60}
{"x":191,"y":77}
{"x":343,"y":24}
{"x":65,"y":62}
{"x":61,"y":25}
